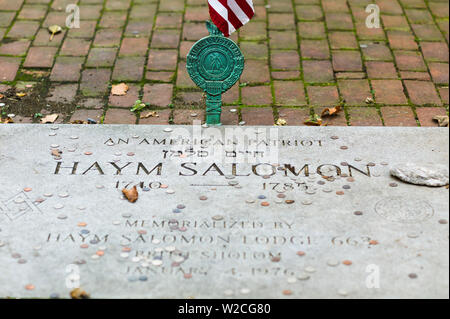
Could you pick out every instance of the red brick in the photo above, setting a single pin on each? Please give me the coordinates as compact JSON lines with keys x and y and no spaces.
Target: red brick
{"x":17,"y":48}
{"x":86,"y":30}
{"x":232,"y":95}
{"x":196,"y":14}
{"x":229,"y":118}
{"x":289,"y":93}
{"x":23,"y":29}
{"x":119,"y":116}
{"x":364,"y":116}
{"x":257,"y":95}
{"x":347,"y":61}
{"x":286,"y":75}
{"x":254,"y":31}
{"x":377,"y":51}
{"x":315,"y":49}
{"x":409,"y":61}
{"x":282,"y":40}
{"x":107,"y":38}
{"x":343,"y":40}
{"x":285,"y":60}
{"x":309,"y":13}
{"x":101,"y":57}
{"x":134,"y":47}
{"x":381,"y":70}
{"x":9,"y":67}
{"x":398,"y":116}
{"x":162,"y":118}
{"x":32,"y":12}
{"x":67,"y":69}
{"x":422,"y":93}
{"x":187,"y":117}
{"x":194,"y":31}
{"x":166,"y":39}
{"x":435,"y":51}
{"x":339,"y":21}
{"x":426,"y":114}
{"x":160,"y":76}
{"x":294,"y":116}
{"x":94,"y":82}
{"x":257,"y":115}
{"x":159,"y":95}
{"x":354,"y":92}
{"x":183,"y":78}
{"x":169,"y":20}
{"x":75,"y":47}
{"x":40,"y":57}
{"x":439,"y":72}
{"x":129,"y":69}
{"x":389,"y":92}
{"x":411,"y":75}
{"x":318,"y":71}
{"x":127,"y":100}
{"x":162,"y":60}
{"x":311,"y":30}
{"x":323,"y":95}
{"x":427,"y":32}
{"x":113,"y":20}
{"x":443,"y":92}
{"x":11,"y":5}
{"x":281,"y":21}
{"x":255,"y":71}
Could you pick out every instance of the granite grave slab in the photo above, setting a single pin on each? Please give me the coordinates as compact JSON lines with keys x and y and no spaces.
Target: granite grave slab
{"x":230,"y":212}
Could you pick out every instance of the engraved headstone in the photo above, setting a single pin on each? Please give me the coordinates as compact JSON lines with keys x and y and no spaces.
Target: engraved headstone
{"x":223,"y":212}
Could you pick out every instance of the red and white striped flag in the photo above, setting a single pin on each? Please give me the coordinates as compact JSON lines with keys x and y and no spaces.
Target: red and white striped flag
{"x":230,"y":15}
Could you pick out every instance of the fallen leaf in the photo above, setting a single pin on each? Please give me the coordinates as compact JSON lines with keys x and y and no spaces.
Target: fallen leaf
{"x":331,"y":111}
{"x":442,"y":120}
{"x":6,"y":120}
{"x":369,"y":100}
{"x":1,"y":96}
{"x":119,"y":89}
{"x":78,"y":122}
{"x":281,"y":122}
{"x":21,"y":94}
{"x":79,"y":294}
{"x":54,"y":29}
{"x":131,"y":194}
{"x":49,"y":118}
{"x":314,"y":120}
{"x":150,"y":114}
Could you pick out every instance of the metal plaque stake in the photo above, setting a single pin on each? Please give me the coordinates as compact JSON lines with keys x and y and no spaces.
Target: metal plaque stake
{"x":215,"y":63}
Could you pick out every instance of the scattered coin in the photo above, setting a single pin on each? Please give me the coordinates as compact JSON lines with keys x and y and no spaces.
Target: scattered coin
{"x":333,"y":262}
{"x":393,"y":184}
{"x":413,"y":276}
{"x":358,"y":213}
{"x":347,"y":262}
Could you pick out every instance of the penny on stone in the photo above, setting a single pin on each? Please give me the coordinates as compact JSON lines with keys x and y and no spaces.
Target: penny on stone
{"x":88,"y":153}
{"x":413,"y":276}
{"x":347,"y":262}
{"x":344,"y":148}
{"x":346,"y":187}
{"x":290,"y":201}
{"x":27,"y":189}
{"x":358,"y":213}
{"x":443,"y":221}
{"x":335,"y":137}
{"x":393,"y":184}
{"x":265,"y":204}
{"x":203,"y":198}
{"x":333,"y":262}
{"x":340,"y":193}
{"x":250,"y":201}
{"x":301,"y":253}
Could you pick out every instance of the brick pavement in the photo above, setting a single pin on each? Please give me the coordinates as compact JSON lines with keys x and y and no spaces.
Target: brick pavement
{"x":301,"y":55}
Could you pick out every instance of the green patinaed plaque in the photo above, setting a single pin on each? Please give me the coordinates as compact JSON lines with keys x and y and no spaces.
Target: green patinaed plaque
{"x":215,"y":64}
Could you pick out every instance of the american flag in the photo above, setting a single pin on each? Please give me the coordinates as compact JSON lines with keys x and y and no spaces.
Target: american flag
{"x":230,"y":15}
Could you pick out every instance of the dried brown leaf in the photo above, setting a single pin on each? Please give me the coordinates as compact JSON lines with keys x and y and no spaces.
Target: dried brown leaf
{"x":79,"y":294}
{"x":442,"y":120}
{"x":6,"y":120}
{"x":331,"y":111}
{"x":119,"y":89}
{"x":21,"y":94}
{"x":1,"y":96}
{"x":131,"y":194}
{"x":281,"y":122}
{"x":49,"y":118}
{"x":150,"y":114}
